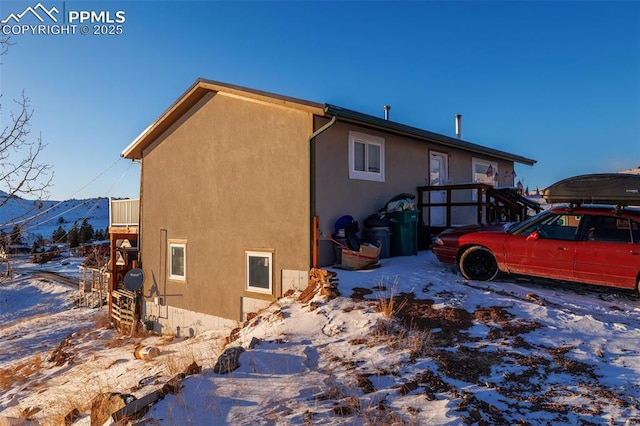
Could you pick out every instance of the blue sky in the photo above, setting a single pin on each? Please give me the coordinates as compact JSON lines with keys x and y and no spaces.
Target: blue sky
{"x":555,"y":81}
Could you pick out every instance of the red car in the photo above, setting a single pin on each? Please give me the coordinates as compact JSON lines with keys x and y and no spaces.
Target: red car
{"x":589,"y":244}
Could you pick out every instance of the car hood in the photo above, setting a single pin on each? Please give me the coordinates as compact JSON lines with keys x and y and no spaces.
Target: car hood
{"x":483,"y":227}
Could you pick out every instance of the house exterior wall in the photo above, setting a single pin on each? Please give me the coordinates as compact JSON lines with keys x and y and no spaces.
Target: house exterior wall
{"x":232,"y":175}
{"x":406,"y":168}
{"x":461,"y":171}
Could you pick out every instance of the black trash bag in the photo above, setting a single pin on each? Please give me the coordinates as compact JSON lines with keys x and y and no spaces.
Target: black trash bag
{"x":351,"y":234}
{"x":377,"y":220}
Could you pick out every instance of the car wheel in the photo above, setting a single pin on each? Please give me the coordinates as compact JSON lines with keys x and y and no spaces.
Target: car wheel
{"x":478,"y":263}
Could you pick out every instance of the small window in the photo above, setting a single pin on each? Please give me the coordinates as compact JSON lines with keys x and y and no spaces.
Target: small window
{"x":259,"y":271}
{"x":178,"y":260}
{"x":366,"y":157}
{"x":485,"y":172}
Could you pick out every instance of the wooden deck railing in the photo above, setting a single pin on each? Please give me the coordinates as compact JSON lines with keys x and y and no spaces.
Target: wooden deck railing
{"x":492,"y":204}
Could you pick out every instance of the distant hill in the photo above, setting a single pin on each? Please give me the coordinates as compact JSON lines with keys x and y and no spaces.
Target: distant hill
{"x":635,"y":171}
{"x":41,"y":218}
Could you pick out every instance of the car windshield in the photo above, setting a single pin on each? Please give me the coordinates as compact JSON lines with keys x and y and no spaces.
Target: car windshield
{"x":517,"y":227}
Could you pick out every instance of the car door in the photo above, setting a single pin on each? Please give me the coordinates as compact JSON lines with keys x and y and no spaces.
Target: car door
{"x":608,"y":255}
{"x":546,"y":250}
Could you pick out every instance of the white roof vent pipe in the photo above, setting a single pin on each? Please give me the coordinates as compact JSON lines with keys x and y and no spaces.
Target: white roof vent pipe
{"x":387,"y":108}
{"x":459,"y":126}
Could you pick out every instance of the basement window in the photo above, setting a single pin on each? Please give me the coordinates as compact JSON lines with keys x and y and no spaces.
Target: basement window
{"x":178,"y":260}
{"x":366,"y":157}
{"x":259,"y":272}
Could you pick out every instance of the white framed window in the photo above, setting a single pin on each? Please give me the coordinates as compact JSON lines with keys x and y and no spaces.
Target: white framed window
{"x":484,"y":171}
{"x":259,"y":271}
{"x":178,"y":260}
{"x":366,"y":157}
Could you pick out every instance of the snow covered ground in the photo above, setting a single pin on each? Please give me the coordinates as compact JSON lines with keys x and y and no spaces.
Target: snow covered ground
{"x":452,"y":352}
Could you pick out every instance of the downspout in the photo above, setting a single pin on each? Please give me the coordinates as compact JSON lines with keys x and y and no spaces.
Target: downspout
{"x":313,"y":253}
{"x":138,"y":235}
{"x":143,"y":304}
{"x":140,"y":215}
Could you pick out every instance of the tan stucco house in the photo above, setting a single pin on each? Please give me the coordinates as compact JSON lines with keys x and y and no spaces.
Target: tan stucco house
{"x":232,"y":179}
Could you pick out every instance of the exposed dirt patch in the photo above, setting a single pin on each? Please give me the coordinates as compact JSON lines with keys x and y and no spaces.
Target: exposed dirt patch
{"x":474,"y":360}
{"x":567,"y":365}
{"x":429,"y":382}
{"x":467,"y":364}
{"x":363,"y":382}
{"x":493,"y":315}
{"x":496,"y":354}
{"x":514,"y":330}
{"x":359,"y":294}
{"x":60,"y":356}
{"x":420,"y":314}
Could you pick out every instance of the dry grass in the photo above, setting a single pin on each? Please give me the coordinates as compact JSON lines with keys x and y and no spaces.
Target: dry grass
{"x":64,"y":407}
{"x":117,"y":341}
{"x":103,"y":321}
{"x":396,"y":337}
{"x":21,"y":372}
{"x":178,"y":362}
{"x":112,"y":363}
{"x":388,"y":303}
{"x":175,"y":364}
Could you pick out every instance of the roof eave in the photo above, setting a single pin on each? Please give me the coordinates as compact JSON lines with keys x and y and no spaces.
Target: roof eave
{"x":203,"y":86}
{"x":387,"y":125}
{"x":194,"y":94}
{"x":189,"y":98}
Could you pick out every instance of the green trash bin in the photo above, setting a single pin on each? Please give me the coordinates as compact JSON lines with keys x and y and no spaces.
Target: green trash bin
{"x":404,"y":232}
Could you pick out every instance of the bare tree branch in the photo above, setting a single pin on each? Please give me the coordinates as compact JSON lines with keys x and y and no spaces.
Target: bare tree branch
{"x":22,"y":173}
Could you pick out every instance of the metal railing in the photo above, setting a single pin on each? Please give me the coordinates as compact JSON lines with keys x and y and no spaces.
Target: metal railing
{"x":124,"y":213}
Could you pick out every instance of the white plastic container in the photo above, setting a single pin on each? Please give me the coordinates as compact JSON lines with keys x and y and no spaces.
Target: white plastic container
{"x":146,"y":352}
